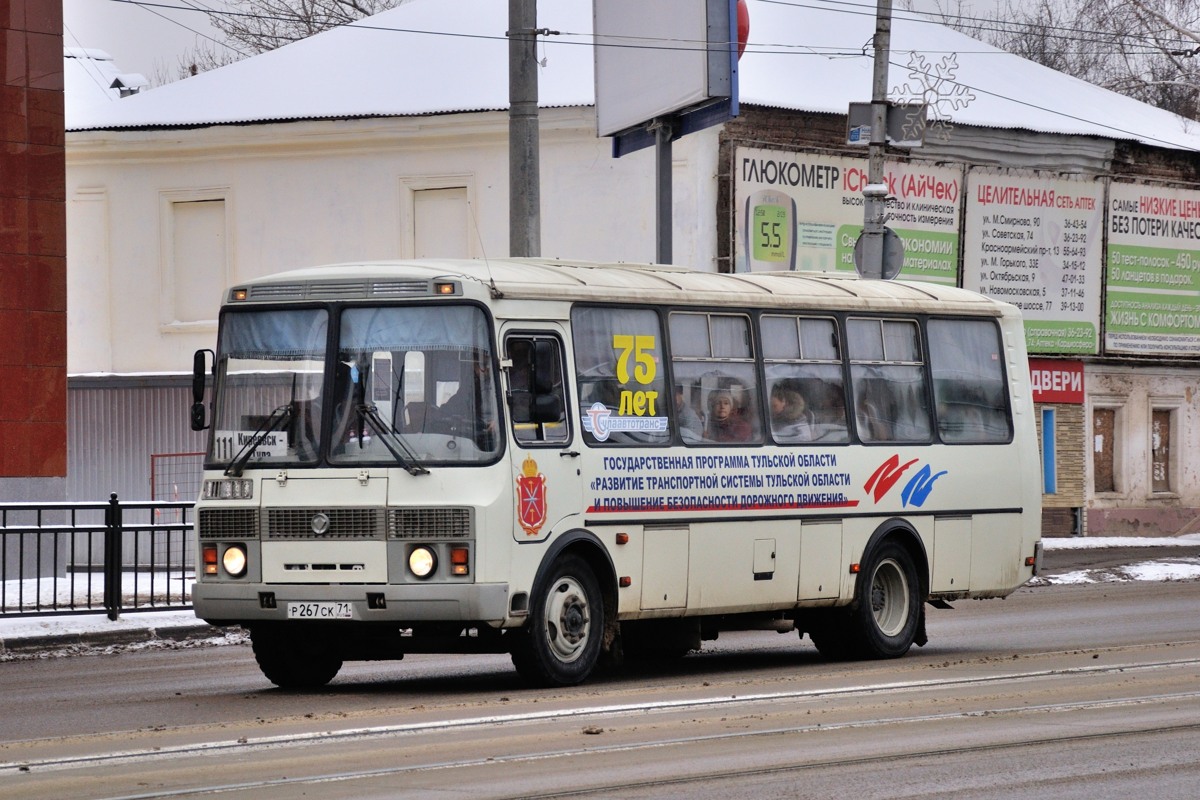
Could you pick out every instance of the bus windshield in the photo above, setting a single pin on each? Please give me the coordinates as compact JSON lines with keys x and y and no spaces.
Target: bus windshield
{"x":401,"y":385}
{"x":270,"y":374}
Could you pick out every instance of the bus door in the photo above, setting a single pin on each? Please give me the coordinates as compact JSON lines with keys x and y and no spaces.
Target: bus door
{"x":545,"y":464}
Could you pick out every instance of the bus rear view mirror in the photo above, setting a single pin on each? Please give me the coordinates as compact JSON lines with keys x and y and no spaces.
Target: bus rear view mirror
{"x":199,"y":416}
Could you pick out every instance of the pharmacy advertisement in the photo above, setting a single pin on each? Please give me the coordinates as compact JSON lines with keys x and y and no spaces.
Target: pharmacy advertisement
{"x":1035,"y":241}
{"x":804,"y":211}
{"x":1152,"y":269}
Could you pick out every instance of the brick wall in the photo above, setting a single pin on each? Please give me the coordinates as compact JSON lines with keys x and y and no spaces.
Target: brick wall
{"x":33,"y":281}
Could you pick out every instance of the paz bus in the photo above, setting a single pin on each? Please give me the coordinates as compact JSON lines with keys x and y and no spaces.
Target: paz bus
{"x":578,"y":463}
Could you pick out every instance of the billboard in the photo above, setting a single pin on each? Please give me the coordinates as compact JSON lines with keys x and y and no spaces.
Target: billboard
{"x":1034,"y":241}
{"x":1152,"y":268}
{"x":661,"y":58}
{"x":804,"y":211}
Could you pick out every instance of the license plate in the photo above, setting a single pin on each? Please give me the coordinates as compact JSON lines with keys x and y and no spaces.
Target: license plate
{"x":320,"y":611}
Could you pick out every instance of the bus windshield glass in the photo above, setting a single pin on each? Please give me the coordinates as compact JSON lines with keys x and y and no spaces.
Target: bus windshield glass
{"x":414,"y":382}
{"x":270,"y":373}
{"x":403,"y":385}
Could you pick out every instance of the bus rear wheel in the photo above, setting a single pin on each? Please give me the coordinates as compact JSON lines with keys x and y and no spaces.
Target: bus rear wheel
{"x":293,"y":659}
{"x":884,"y":619}
{"x":560,"y":644}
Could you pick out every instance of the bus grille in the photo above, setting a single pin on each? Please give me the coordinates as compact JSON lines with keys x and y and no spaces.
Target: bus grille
{"x":228,"y":523}
{"x":429,"y":523}
{"x":343,"y":289}
{"x":343,"y":523}
{"x":398,"y":288}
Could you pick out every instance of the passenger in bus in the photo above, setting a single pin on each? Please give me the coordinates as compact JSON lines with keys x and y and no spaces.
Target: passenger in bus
{"x":691,"y":427}
{"x":874,"y":423}
{"x":725,"y":423}
{"x":791,"y":419}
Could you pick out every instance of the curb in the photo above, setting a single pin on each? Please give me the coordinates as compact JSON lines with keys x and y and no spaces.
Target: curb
{"x":26,"y":645}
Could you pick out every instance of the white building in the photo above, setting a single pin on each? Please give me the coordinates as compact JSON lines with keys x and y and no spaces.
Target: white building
{"x":389,"y":139}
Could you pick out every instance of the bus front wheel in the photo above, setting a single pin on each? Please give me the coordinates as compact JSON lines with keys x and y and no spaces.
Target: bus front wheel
{"x":883,"y":621}
{"x":560,"y":643}
{"x":291,"y":661}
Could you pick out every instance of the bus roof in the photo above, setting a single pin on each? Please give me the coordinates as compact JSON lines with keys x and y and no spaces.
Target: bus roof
{"x":563,"y":280}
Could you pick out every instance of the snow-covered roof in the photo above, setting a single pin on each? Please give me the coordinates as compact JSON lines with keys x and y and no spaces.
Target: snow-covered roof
{"x":434,"y":57}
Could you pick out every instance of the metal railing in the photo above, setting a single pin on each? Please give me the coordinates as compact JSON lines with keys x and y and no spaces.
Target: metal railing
{"x":65,"y":558}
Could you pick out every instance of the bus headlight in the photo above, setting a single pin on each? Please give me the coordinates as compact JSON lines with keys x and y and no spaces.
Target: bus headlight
{"x":234,"y":560}
{"x":422,"y":562}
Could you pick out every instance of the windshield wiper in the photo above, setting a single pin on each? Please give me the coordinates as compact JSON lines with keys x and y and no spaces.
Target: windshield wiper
{"x":408,"y":459}
{"x":273,"y":423}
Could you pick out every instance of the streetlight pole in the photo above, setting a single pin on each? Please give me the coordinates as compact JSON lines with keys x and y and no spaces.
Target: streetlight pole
{"x":875,"y":193}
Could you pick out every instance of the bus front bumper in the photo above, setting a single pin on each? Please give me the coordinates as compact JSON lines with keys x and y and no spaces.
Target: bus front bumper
{"x":242,"y":603}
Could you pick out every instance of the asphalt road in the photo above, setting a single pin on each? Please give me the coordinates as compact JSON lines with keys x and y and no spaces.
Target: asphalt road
{"x":1057,"y":692}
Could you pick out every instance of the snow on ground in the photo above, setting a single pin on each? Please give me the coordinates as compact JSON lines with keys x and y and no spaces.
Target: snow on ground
{"x":1098,"y":542}
{"x":1168,"y":568}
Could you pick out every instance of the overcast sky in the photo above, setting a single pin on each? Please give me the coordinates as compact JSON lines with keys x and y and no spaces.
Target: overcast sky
{"x":149,"y":39}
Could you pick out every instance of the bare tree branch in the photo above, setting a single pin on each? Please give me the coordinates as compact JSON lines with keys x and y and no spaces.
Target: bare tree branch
{"x":256,"y":26}
{"x":1146,"y":49}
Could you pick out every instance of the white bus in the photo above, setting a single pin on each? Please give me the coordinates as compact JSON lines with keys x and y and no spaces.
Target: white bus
{"x":571,"y":462}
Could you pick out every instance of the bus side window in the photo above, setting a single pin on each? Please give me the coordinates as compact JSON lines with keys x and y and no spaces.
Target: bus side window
{"x":536,"y":390}
{"x":803,"y":361}
{"x":968,"y":381}
{"x":623,"y":394}
{"x":887,"y":375}
{"x":712,"y":360}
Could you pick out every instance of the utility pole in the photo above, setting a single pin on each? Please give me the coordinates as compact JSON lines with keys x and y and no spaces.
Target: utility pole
{"x":875,"y":193}
{"x":524,"y":178}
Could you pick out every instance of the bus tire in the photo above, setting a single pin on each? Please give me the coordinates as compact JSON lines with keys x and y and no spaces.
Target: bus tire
{"x":884,"y":618}
{"x":293,"y":661}
{"x":560,"y":643}
{"x":884,"y":622}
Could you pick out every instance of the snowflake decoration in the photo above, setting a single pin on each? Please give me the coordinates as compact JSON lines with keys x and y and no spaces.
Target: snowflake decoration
{"x":936,"y":87}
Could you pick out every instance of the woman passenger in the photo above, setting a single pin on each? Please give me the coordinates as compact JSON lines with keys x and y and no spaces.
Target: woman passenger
{"x":725,"y":424}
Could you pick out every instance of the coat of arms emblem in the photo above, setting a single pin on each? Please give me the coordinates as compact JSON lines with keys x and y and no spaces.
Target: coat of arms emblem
{"x":531,"y":497}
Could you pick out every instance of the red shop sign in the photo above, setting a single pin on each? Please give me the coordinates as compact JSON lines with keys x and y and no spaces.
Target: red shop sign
{"x":1056,"y":381}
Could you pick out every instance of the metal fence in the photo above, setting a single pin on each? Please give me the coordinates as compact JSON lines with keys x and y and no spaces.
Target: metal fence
{"x":64,"y":558}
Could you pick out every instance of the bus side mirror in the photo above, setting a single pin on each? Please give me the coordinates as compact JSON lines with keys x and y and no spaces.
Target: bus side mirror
{"x":199,"y":415}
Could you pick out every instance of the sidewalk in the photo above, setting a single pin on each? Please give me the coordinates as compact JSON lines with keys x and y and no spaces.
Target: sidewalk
{"x":1068,"y":560}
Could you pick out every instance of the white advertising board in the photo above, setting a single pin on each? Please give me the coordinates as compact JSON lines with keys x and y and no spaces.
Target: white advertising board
{"x":659,"y":58}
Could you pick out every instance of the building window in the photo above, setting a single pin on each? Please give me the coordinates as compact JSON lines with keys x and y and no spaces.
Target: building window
{"x":195,"y":250}
{"x":1049,"y":453}
{"x":440,"y":223}
{"x":437,"y":217}
{"x":1104,"y":442}
{"x":1161,"y":441}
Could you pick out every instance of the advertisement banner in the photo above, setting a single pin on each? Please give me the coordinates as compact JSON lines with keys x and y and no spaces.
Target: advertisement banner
{"x":1153,"y":271}
{"x":804,"y":211}
{"x":1034,"y":241}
